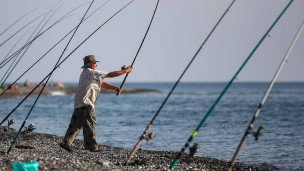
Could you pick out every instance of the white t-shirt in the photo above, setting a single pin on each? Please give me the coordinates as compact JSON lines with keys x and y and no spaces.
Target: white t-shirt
{"x":88,"y":87}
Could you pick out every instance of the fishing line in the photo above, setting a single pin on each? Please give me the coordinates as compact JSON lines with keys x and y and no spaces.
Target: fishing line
{"x":195,"y":132}
{"x":51,"y":49}
{"x":15,"y":64}
{"x":24,"y":52}
{"x":249,"y":129}
{"x":11,"y":26}
{"x":1,"y":83}
{"x":144,"y":135}
{"x":22,"y":28}
{"x":142,"y":42}
{"x":16,"y":137}
{"x":16,"y":44}
{"x":7,"y":116}
{"x":17,"y":21}
{"x":18,"y":51}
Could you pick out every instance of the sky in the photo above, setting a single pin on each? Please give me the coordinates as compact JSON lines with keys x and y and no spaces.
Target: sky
{"x":178,"y":30}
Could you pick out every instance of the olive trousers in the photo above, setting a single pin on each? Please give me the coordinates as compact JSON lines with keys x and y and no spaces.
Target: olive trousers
{"x":85,"y":118}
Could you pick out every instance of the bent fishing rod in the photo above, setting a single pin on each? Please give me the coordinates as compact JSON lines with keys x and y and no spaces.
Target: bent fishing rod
{"x":52,"y":48}
{"x":36,"y":35}
{"x":18,"y":52}
{"x":22,"y":28}
{"x":142,"y":42}
{"x":24,"y":46}
{"x":120,"y":10}
{"x":17,"y":21}
{"x":27,"y":48}
{"x":195,"y":132}
{"x":23,"y":124}
{"x":14,"y":63}
{"x":149,"y":136}
{"x":1,"y":83}
{"x":249,"y":129}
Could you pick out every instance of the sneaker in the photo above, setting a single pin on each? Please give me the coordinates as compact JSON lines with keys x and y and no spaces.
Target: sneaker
{"x":66,"y":147}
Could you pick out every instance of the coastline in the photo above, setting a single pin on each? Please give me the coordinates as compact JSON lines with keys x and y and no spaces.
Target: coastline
{"x":51,"y":157}
{"x":23,"y":91}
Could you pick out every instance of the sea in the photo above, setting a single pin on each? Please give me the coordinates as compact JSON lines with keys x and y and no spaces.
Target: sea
{"x":122,"y":119}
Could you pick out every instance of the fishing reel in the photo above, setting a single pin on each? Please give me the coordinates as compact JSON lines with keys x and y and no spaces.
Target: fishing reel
{"x":193,"y":149}
{"x":16,"y":141}
{"x":256,"y":133}
{"x":30,"y":128}
{"x":9,"y":123}
{"x":149,"y":136}
{"x":123,"y":67}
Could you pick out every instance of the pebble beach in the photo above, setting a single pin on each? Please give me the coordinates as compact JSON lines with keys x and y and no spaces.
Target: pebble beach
{"x":45,"y":149}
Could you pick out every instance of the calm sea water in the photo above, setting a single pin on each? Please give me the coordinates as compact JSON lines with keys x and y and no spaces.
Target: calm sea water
{"x":122,"y":119}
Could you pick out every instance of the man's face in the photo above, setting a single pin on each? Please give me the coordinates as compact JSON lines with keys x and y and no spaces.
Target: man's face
{"x":94,"y":66}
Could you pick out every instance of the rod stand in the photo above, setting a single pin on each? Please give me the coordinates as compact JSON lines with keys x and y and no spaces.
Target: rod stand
{"x":9,"y":123}
{"x":193,"y":149}
{"x":149,"y":136}
{"x":256,"y":133}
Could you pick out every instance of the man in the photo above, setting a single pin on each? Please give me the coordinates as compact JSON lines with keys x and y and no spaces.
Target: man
{"x":90,"y":83}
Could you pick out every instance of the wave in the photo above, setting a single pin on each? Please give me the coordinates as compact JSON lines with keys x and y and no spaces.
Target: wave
{"x":57,"y":93}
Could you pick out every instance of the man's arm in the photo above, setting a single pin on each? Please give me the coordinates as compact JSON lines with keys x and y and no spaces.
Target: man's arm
{"x":118,"y":73}
{"x":109,"y":86}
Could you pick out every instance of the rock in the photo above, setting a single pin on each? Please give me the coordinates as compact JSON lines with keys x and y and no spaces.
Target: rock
{"x":104,"y":163}
{"x":19,"y":158}
{"x":44,"y":168}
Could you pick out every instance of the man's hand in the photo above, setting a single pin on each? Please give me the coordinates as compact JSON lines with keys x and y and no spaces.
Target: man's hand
{"x":129,"y":69}
{"x":118,"y":91}
{"x":120,"y":72}
{"x":111,"y":87}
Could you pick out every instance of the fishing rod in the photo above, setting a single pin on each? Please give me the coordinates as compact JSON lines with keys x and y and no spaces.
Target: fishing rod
{"x":1,"y":83}
{"x":23,"y":47}
{"x":21,"y":127}
{"x":142,"y":42}
{"x":149,"y":136}
{"x":249,"y":129}
{"x":9,"y":52}
{"x":52,"y":49}
{"x":22,"y":28}
{"x":24,"y":52}
{"x":32,"y":42}
{"x":13,"y":64}
{"x":195,"y":132}
{"x":8,"y":115}
{"x":17,"y":21}
{"x":56,"y":22}
{"x":14,"y":24}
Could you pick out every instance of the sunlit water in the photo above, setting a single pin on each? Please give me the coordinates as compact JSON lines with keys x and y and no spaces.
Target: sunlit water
{"x":122,"y":119}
